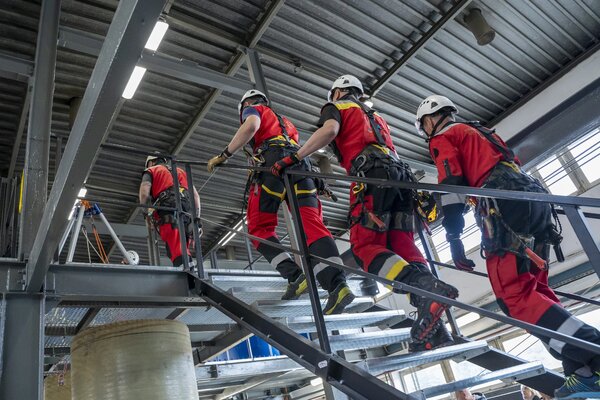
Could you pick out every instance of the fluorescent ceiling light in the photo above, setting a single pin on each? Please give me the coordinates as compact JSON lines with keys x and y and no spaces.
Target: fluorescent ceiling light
{"x":82,"y":193}
{"x":321,"y":151}
{"x":157,"y":35}
{"x":134,"y":81}
{"x":369,"y":103}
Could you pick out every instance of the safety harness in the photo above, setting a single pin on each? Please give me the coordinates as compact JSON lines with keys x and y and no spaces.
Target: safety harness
{"x":497,"y":236}
{"x":376,"y":155}
{"x":167,"y":199}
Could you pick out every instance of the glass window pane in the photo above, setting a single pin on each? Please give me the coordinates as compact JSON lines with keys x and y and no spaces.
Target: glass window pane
{"x":531,"y":349}
{"x":556,"y":177}
{"x":424,"y":378}
{"x":587,"y":154}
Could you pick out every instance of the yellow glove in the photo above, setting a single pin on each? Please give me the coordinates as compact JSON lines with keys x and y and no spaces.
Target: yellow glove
{"x":218,"y":160}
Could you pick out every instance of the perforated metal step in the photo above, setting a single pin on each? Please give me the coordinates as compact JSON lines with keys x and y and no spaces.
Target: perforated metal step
{"x":282,"y":309}
{"x":381,"y":319}
{"x":366,"y":340}
{"x":509,"y":374}
{"x":458,"y":352}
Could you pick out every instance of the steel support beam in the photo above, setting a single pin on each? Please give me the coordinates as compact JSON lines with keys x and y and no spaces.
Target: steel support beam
{"x":192,"y":72}
{"x":15,"y":68}
{"x":37,"y":153}
{"x":22,"y":347}
{"x":131,"y":26}
{"x":128,"y":230}
{"x":114,"y":282}
{"x":20,"y":128}
{"x":221,"y":345}
{"x":584,"y":234}
{"x":419,"y":45}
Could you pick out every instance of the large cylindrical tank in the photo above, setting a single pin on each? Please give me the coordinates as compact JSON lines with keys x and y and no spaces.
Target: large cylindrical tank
{"x":58,"y":386}
{"x":132,"y":360}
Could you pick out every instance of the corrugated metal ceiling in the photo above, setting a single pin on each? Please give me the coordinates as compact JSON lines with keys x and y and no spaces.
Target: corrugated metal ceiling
{"x":306,"y":45}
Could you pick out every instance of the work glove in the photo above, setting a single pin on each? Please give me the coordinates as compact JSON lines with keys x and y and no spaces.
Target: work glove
{"x":218,"y":160}
{"x":286,"y":162}
{"x":458,"y":253}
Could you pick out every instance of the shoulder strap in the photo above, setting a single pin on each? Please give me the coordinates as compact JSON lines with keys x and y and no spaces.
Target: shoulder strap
{"x":487,"y":133}
{"x":374,"y":125}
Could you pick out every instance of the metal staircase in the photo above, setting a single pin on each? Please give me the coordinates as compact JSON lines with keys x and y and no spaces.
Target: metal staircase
{"x":213,"y":332}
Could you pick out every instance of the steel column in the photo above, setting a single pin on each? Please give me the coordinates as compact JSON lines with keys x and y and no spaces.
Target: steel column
{"x":20,"y":128}
{"x":429,"y":255}
{"x":196,"y":228}
{"x":23,"y":347}
{"x":75,"y":233}
{"x":255,"y":70}
{"x":584,"y":234}
{"x":313,"y":292}
{"x":37,"y":153}
{"x":131,"y":26}
{"x":179,"y":216}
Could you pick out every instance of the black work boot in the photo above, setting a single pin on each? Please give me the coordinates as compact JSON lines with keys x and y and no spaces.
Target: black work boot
{"x":339,"y":299}
{"x":441,"y":338}
{"x":429,"y":311}
{"x":295,"y":288}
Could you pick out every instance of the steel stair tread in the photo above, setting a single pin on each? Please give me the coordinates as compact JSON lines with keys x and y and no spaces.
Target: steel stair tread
{"x":365,"y":340}
{"x":460,"y":352}
{"x":287,"y":308}
{"x":515,"y":373}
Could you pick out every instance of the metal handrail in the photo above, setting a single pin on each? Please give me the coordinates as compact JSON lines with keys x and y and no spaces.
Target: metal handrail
{"x":431,"y":187}
{"x":446,"y":300}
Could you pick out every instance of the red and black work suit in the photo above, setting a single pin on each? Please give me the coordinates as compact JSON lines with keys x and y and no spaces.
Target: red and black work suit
{"x":275,"y":139}
{"x":162,"y":195}
{"x":470,"y":155}
{"x":381,"y":218}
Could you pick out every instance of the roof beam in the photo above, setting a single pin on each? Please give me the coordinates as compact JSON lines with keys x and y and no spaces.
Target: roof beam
{"x":15,"y":68}
{"x":452,"y":13}
{"x":120,"y":52}
{"x":84,"y":42}
{"x":233,"y":68}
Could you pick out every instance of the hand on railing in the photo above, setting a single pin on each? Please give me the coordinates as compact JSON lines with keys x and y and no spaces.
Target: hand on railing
{"x":458,"y":253}
{"x":286,"y":162}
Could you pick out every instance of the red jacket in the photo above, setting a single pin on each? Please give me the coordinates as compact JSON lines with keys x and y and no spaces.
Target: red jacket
{"x":270,"y":126}
{"x":163,"y":180}
{"x":464,"y":156}
{"x":356,"y":132}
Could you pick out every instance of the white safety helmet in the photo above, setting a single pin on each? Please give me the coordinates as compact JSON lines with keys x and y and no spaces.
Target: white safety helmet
{"x":251,"y":93}
{"x":431,"y":105}
{"x":150,"y":158}
{"x":345,"y":81}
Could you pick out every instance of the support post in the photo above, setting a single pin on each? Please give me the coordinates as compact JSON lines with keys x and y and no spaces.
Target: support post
{"x":306,"y":266}
{"x":116,"y":239}
{"x":213,"y":260}
{"x":128,"y":33}
{"x":23,"y":347}
{"x":179,"y":216}
{"x":255,"y":70}
{"x":584,"y":234}
{"x":195,"y":220}
{"x":37,"y":154}
{"x":429,"y":256}
{"x":75,"y":233}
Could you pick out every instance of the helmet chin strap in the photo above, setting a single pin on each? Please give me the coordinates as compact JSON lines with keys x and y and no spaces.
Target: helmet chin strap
{"x":438,"y":124}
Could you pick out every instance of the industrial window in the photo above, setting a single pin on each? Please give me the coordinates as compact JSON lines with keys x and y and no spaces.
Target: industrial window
{"x":586,"y":153}
{"x":573,"y":170}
